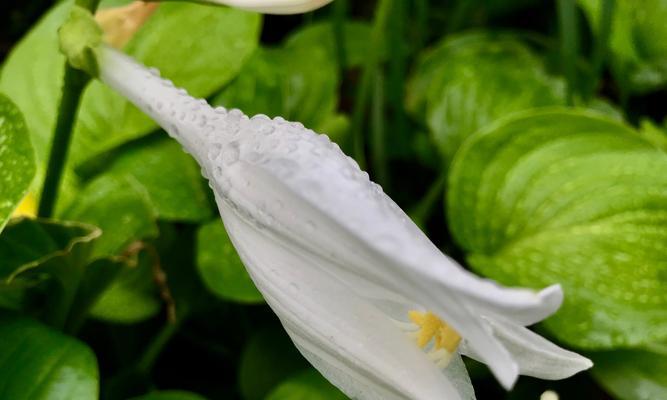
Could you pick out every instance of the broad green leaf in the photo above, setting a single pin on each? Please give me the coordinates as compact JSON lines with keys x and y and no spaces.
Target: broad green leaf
{"x":170,"y":177}
{"x":97,"y":278}
{"x":638,"y":41}
{"x":223,"y":38}
{"x":632,"y":374}
{"x":221,"y":268}
{"x":470,"y":80}
{"x":298,"y":83}
{"x":120,"y":207}
{"x":357,"y":41}
{"x":170,"y":395}
{"x":569,"y":197}
{"x":308,"y":385}
{"x":268,"y":359}
{"x":17,"y":161}
{"x":132,"y":296}
{"x":45,"y":258}
{"x":654,"y":134}
{"x":39,"y":363}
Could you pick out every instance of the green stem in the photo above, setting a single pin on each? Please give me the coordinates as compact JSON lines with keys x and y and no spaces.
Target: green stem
{"x":74,"y":83}
{"x":155,"y":347}
{"x":569,"y":38}
{"x":424,"y":208}
{"x":338,"y":26}
{"x":602,"y":40}
{"x":378,"y":149}
{"x":363,"y":93}
{"x":421,"y":11}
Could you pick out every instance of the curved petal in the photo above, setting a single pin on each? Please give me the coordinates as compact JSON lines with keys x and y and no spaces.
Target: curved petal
{"x":535,"y":355}
{"x":273,"y":6}
{"x":301,"y":188}
{"x":301,"y":169}
{"x":351,"y":342}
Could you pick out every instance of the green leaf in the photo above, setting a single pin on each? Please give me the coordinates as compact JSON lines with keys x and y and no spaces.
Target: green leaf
{"x":170,"y":177}
{"x":223,"y":39}
{"x":221,"y":268}
{"x":357,"y":41}
{"x":637,"y":43}
{"x":17,"y":161}
{"x":468,"y":81}
{"x":45,"y":258}
{"x":296,"y":83}
{"x":307,"y":385}
{"x":632,"y":374}
{"x":569,"y":197}
{"x":132,"y":297}
{"x":170,"y":395}
{"x":120,"y":207}
{"x":268,"y":359}
{"x":654,"y":134}
{"x":38,"y":363}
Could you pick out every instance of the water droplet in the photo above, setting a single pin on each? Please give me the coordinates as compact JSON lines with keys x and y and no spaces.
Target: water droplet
{"x":231,"y":154}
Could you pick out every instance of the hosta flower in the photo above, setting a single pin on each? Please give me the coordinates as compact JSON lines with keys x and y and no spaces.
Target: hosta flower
{"x":363,"y":293}
{"x":272,"y":6}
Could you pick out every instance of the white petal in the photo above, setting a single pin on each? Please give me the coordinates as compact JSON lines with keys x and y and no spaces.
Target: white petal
{"x":273,"y":6}
{"x":300,"y":188}
{"x":351,"y":342}
{"x":535,"y":355}
{"x":313,"y":172}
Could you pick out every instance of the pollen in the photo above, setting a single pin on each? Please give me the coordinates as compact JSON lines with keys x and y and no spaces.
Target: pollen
{"x":434,"y":330}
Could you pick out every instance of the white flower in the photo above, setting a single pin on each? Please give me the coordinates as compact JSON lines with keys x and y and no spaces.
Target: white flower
{"x":360,"y":289}
{"x":273,"y":6}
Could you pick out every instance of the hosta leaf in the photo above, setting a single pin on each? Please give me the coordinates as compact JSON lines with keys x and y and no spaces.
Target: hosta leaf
{"x":17,"y":161}
{"x":132,"y":296}
{"x":221,"y":268}
{"x":307,"y":385}
{"x":470,"y":80}
{"x":298,"y":83}
{"x":638,"y":41}
{"x":654,"y":134}
{"x":632,"y":374}
{"x":223,"y":38}
{"x":356,"y":35}
{"x":39,"y":363}
{"x":120,"y":207}
{"x":569,"y":197}
{"x":171,"y":178}
{"x":45,"y":258}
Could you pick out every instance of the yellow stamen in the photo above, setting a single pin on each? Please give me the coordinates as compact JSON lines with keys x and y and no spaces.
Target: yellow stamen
{"x":432,"y":328}
{"x":27,"y":207}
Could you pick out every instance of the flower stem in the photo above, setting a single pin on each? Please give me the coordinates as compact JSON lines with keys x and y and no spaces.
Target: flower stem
{"x":74,"y":83}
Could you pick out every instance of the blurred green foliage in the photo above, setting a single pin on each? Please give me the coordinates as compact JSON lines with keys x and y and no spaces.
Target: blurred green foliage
{"x":461,"y":109}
